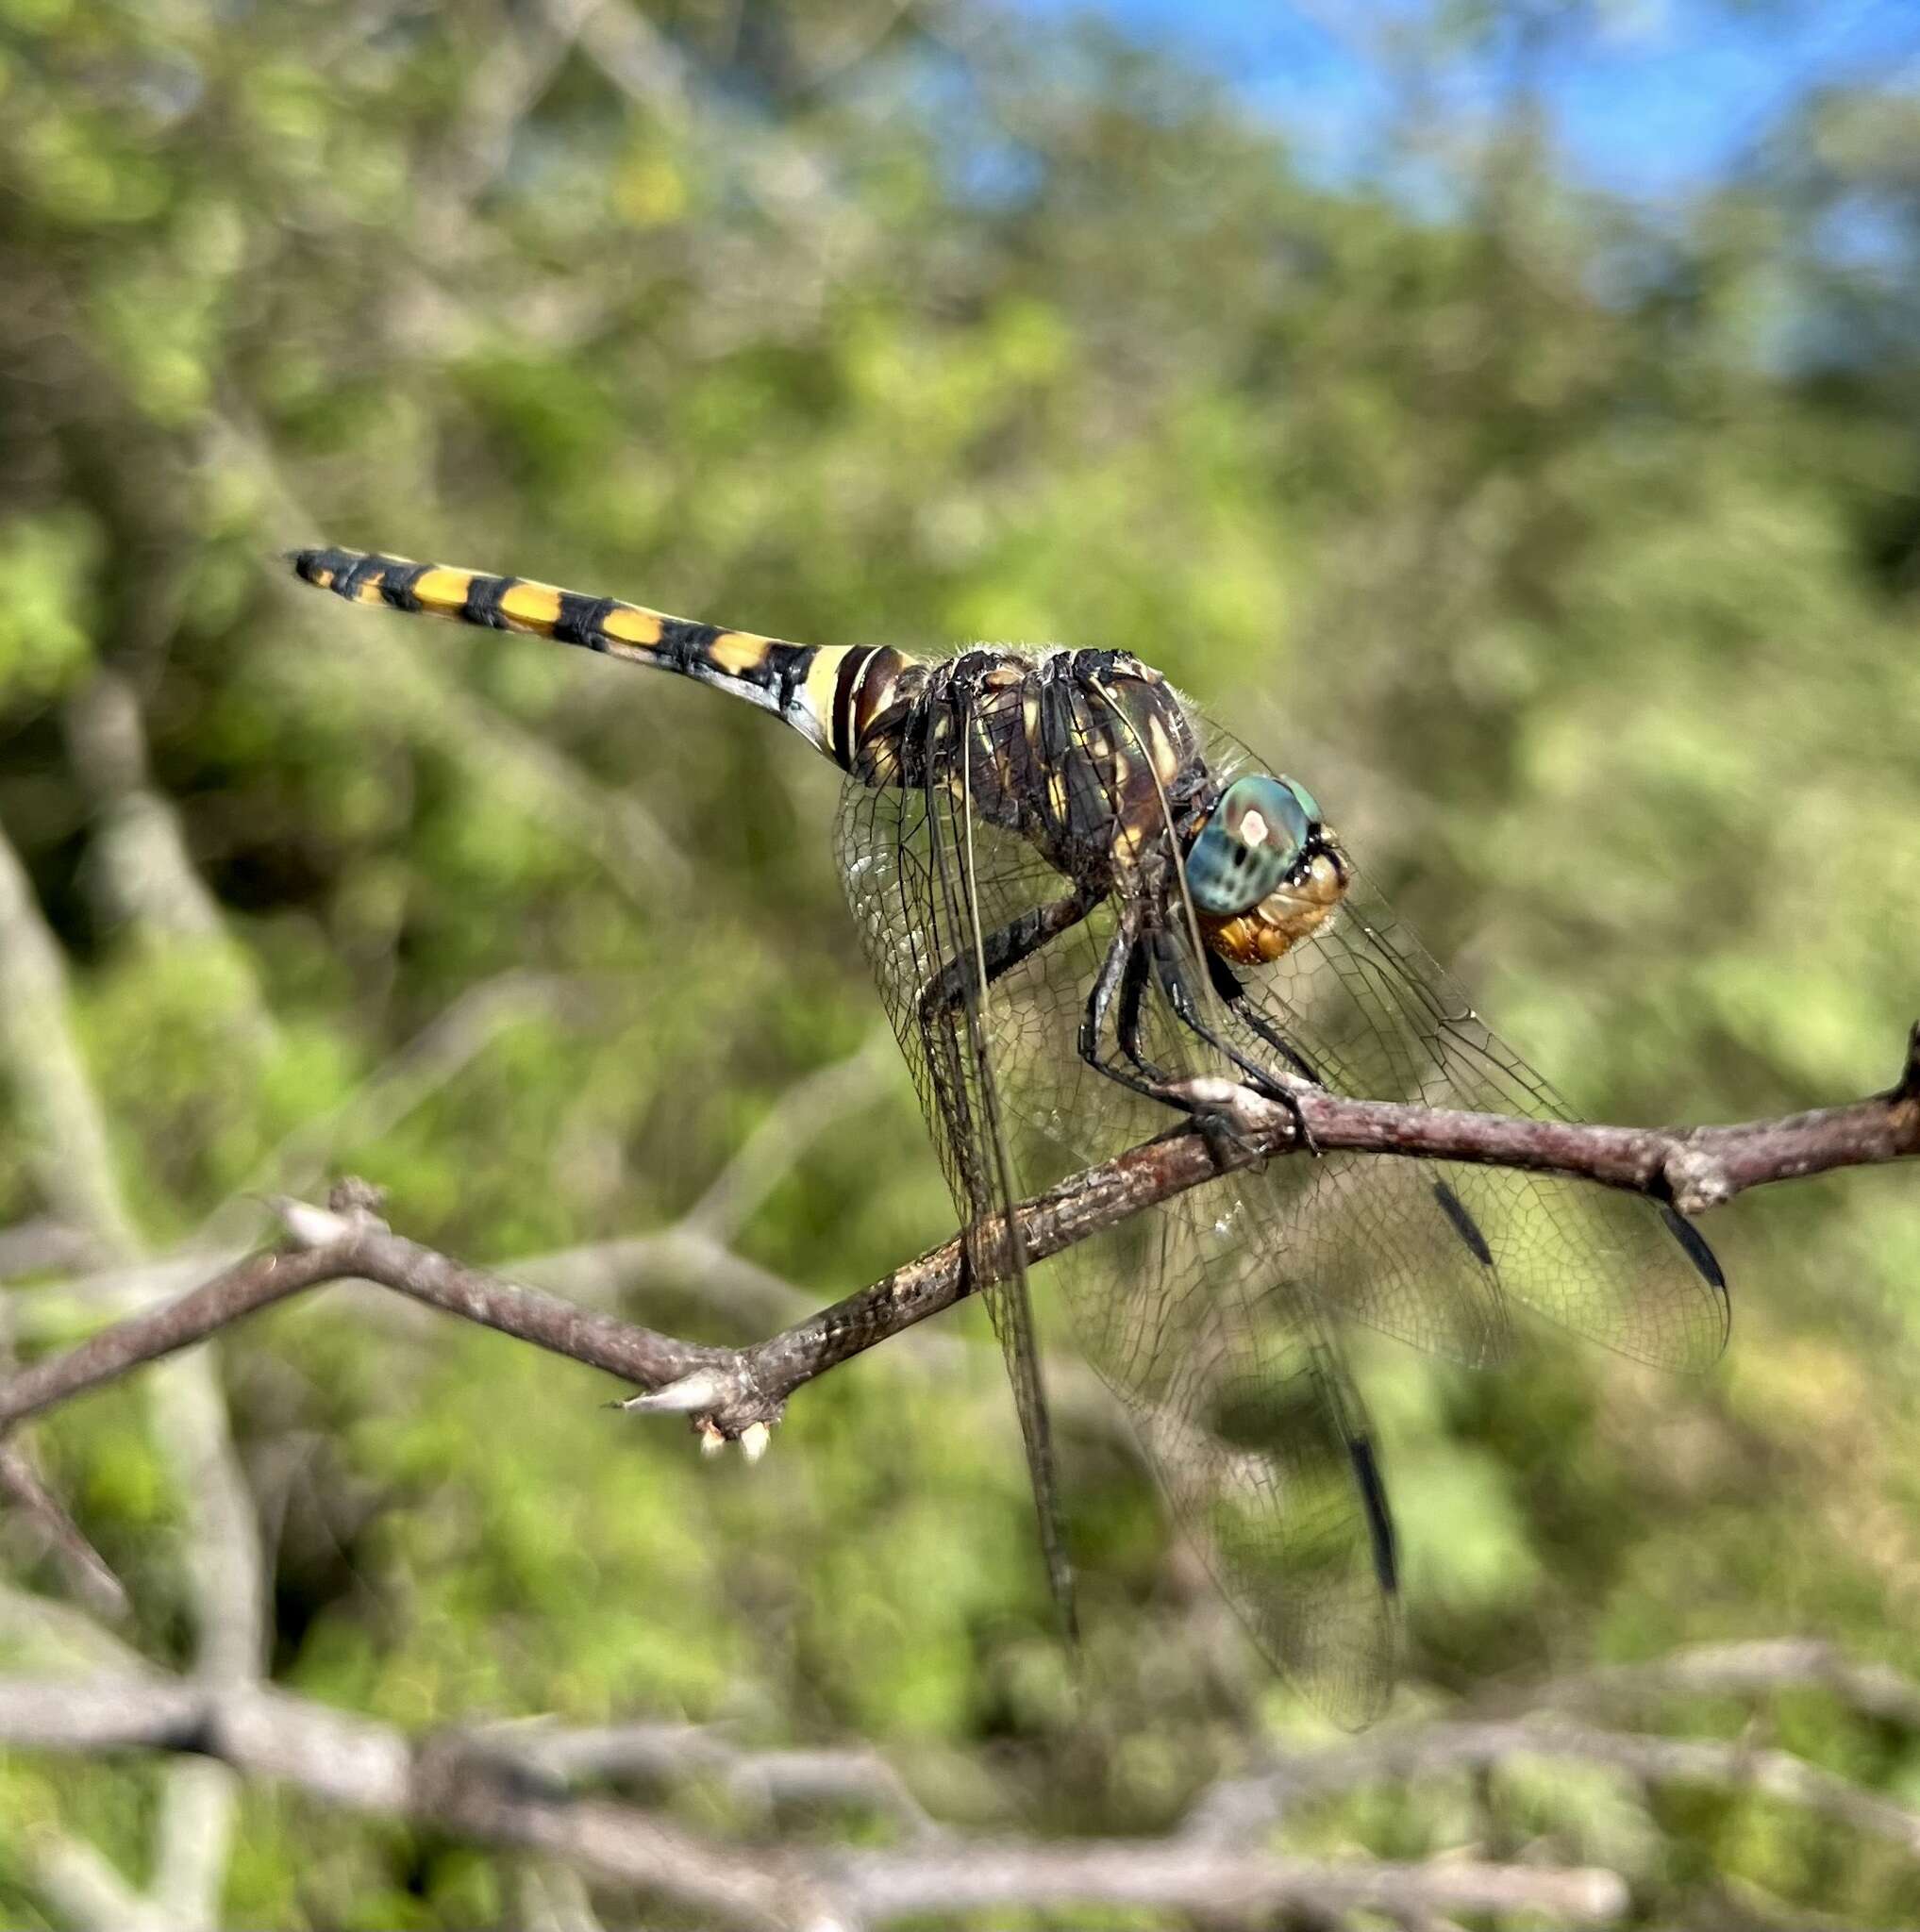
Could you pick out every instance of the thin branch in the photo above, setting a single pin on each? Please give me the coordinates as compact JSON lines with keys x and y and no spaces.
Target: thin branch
{"x":37,"y":1625}
{"x":199,"y":1807}
{"x":87,"y":1892}
{"x":55,"y":1307}
{"x":424,"y":1066}
{"x":1745,"y":1670}
{"x":589,"y":1754}
{"x":228,"y":1586}
{"x":255,"y":1283}
{"x":1426,"y":1749}
{"x":731,"y":1391}
{"x":1691,"y":1168}
{"x":1173,"y":1876}
{"x":751,"y":1385}
{"x":596,"y":1273}
{"x":34,"y":1247}
{"x":480,"y":1789}
{"x":793,"y":1124}
{"x":137,"y":860}
{"x":225,"y":1575}
{"x":87,"y":1572}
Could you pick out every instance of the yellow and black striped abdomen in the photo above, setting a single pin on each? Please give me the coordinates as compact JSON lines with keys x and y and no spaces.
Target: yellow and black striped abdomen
{"x":569,"y":617}
{"x":825,"y":694}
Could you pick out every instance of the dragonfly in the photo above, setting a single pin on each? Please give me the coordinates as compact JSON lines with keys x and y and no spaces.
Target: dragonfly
{"x":1087,"y":908}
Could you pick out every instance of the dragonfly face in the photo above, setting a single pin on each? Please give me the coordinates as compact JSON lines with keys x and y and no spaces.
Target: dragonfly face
{"x":1264,"y":872}
{"x":1021,"y":836}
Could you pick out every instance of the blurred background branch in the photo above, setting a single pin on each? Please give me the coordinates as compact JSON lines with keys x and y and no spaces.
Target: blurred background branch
{"x":534,"y":1783}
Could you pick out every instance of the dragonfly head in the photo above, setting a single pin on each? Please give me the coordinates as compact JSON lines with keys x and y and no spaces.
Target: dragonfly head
{"x":1265,"y":872}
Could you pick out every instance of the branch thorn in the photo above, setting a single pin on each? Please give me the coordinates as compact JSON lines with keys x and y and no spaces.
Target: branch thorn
{"x":702,"y":1390}
{"x":1908,"y":1086}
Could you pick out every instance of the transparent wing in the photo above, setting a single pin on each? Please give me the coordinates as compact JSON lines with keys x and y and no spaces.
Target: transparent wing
{"x":1207,"y":1317}
{"x":934,"y":930}
{"x":1374,"y":1016}
{"x":1201,"y":1315}
{"x":1215,"y":1317}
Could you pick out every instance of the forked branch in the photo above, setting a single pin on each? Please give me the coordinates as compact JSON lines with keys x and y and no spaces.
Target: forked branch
{"x":733,"y":1394}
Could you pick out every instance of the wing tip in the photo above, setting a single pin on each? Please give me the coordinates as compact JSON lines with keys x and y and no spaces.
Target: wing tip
{"x":1373,"y":1490}
{"x":1705,"y":1264}
{"x":1463,"y":1223}
{"x":1694,"y":1244}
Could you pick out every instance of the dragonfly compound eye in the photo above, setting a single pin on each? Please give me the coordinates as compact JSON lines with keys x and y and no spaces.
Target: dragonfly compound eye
{"x":1251,"y":842}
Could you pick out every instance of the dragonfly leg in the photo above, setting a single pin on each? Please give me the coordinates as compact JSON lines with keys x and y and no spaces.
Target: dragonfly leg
{"x":1233,"y":995}
{"x":1115,"y":997}
{"x":1114,"y":971}
{"x":1171,"y":969}
{"x":1002,"y":950}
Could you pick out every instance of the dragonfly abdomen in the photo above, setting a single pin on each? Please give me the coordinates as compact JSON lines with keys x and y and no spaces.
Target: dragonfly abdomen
{"x":830,"y":695}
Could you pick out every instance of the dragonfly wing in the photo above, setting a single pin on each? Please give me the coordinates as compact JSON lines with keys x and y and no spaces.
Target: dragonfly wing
{"x":1240,"y":1396}
{"x":1205,"y":1318}
{"x":935,"y":893}
{"x":1366,"y":1005}
{"x":1201,"y":1315}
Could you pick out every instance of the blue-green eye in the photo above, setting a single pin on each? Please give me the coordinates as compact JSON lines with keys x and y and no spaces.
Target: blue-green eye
{"x":1252,"y":841}
{"x":1307,"y":803}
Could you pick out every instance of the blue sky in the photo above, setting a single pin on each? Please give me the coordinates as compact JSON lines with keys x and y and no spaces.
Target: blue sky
{"x":1664,"y":94}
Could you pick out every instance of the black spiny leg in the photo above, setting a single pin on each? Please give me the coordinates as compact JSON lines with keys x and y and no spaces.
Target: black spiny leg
{"x":1172,"y":971}
{"x":1004,"y":949}
{"x":1117,"y":995}
{"x":1119,"y":978}
{"x":1233,"y":995}
{"x":1227,"y":984}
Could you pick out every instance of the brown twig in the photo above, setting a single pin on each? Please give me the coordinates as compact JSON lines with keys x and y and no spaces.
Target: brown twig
{"x":87,"y":1572}
{"x":1691,"y":1168}
{"x":734,"y":1390}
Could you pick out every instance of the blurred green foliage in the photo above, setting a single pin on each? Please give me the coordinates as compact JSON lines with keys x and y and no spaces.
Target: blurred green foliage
{"x":1568,"y":550}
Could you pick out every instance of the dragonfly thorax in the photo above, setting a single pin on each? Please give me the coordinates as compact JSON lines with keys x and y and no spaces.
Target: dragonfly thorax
{"x":1088,"y":755}
{"x":1091,"y":758}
